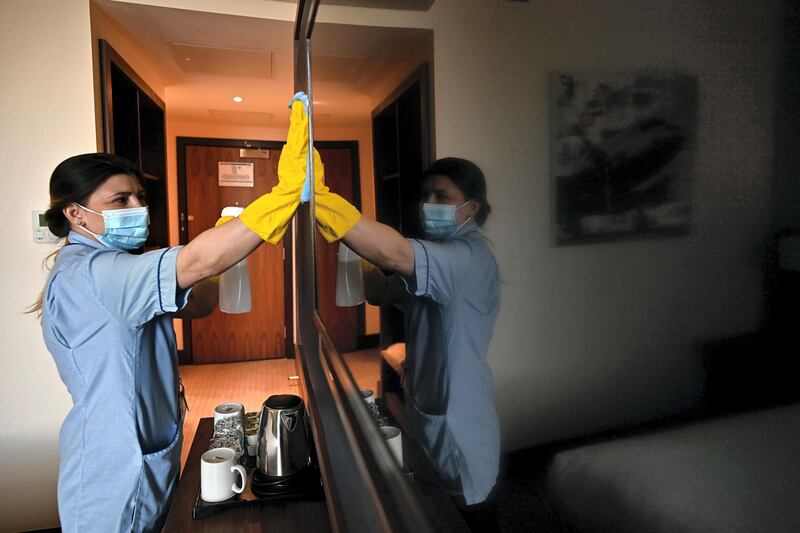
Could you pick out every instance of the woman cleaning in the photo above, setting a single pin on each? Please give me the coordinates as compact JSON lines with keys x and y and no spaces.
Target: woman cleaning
{"x":107,"y":321}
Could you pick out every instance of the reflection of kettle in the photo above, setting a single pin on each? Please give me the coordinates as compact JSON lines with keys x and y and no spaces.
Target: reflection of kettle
{"x":283,"y":437}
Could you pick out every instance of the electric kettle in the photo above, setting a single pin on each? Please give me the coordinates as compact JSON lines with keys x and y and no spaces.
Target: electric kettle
{"x":283,"y":436}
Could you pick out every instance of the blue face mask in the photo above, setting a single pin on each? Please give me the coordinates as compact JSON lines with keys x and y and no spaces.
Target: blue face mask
{"x":439,"y":220}
{"x":126,"y":229}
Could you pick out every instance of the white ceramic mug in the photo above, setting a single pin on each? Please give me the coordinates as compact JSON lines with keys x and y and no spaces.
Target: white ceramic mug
{"x":368,"y":396}
{"x":218,"y":471}
{"x":394,"y":438}
{"x":227,"y":410}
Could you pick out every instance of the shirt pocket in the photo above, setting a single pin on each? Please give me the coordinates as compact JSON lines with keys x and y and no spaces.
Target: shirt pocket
{"x":157,"y":483}
{"x":434,"y":433}
{"x":430,"y":388}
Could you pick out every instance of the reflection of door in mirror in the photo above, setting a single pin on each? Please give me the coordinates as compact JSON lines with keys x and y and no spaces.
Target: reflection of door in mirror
{"x":259,"y":334}
{"x":344,"y":324}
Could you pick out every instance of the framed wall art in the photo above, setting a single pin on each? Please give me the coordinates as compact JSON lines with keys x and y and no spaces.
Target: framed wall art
{"x":621,"y":155}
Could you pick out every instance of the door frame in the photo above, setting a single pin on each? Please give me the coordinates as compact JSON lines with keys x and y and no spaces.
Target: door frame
{"x":185,"y":355}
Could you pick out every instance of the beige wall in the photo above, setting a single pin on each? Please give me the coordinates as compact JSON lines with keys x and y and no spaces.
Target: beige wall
{"x":46,"y":115}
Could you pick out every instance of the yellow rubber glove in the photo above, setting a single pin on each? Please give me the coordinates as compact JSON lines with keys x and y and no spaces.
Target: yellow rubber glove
{"x":269,"y":215}
{"x":335,"y":215}
{"x":223,"y":220}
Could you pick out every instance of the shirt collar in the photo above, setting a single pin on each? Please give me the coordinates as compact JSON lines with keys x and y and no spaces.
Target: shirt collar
{"x":76,"y":238}
{"x":469,"y":227}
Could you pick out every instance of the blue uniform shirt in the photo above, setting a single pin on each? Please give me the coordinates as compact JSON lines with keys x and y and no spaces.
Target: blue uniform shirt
{"x":450,"y":312}
{"x":107,"y":322}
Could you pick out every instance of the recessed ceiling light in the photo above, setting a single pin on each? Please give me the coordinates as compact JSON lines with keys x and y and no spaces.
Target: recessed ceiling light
{"x":188,"y":58}
{"x":237,"y":99}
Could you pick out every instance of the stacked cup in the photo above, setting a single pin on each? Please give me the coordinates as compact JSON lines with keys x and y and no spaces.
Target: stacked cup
{"x":229,"y":428}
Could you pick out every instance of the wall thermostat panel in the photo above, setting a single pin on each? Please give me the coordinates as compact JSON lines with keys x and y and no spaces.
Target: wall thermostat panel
{"x":41,"y":233}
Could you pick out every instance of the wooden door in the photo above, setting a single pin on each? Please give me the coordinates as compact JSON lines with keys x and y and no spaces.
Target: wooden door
{"x":259,"y":334}
{"x":342,"y":323}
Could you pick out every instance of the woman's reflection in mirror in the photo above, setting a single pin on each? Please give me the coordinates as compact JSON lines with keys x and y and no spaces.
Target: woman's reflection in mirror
{"x":449,"y":287}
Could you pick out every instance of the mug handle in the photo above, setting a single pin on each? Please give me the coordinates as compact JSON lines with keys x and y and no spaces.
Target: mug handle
{"x":239,"y":489}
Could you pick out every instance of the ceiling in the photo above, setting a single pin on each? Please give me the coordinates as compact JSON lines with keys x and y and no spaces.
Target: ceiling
{"x":415,"y":5}
{"x":205,"y":59}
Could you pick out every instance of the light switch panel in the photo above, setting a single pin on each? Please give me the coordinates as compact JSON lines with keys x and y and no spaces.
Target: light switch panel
{"x":41,"y":233}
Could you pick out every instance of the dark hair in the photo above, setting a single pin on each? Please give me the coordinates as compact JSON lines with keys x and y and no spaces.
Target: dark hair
{"x":468,"y":177}
{"x":76,"y":178}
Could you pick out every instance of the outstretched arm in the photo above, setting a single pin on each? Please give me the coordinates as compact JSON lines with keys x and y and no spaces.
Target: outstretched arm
{"x":381,"y":245}
{"x":214,"y":251}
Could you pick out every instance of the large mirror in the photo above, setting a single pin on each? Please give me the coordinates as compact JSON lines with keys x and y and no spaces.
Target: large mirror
{"x":419,"y":353}
{"x":596,"y":339}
